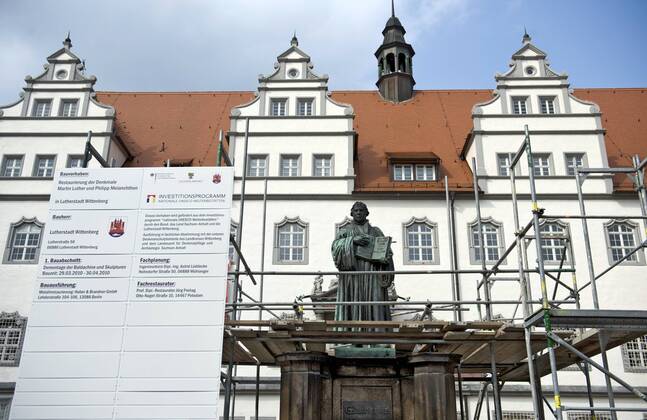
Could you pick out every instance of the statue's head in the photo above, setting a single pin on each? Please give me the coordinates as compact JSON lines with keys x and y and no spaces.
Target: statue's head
{"x":359,"y":212}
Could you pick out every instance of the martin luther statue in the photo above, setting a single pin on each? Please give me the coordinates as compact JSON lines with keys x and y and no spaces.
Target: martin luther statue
{"x":359,"y":246}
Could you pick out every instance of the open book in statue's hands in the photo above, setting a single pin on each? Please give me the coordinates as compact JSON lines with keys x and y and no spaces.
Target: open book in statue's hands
{"x":376,"y":250}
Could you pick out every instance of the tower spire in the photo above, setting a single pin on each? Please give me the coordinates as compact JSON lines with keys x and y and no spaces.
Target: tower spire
{"x":526,"y":38}
{"x":67,"y":43}
{"x":392,"y":8}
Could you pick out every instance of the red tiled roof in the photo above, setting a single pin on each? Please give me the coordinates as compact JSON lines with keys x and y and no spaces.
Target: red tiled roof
{"x":624,"y":116}
{"x":184,"y":126}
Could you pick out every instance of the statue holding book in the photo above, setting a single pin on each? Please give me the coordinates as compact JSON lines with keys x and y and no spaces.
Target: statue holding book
{"x":359,"y":246}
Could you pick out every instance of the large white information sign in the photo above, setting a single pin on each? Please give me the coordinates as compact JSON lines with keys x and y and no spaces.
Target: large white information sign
{"x":128,"y":306}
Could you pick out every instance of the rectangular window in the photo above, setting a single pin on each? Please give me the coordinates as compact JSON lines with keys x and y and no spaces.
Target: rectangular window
{"x":42,"y":108}
{"x":519,"y":105}
{"x":503,"y":162}
{"x":517,"y":415}
{"x":12,"y":329}
{"x":402,"y":172}
{"x":69,"y":107}
{"x":425,"y":172}
{"x":44,"y":166}
{"x":278,"y":107}
{"x":12,"y":166}
{"x":491,"y":242}
{"x":420,"y":243}
{"x":547,"y":104}
{"x":554,"y":242}
{"x":622,"y":240}
{"x":541,"y":164}
{"x":634,"y":355}
{"x":75,"y":161}
{"x":573,"y":160}
{"x":290,"y":165}
{"x":586,"y":415}
{"x":291,"y":243}
{"x":305,"y":106}
{"x":322,"y":165}
{"x":257,"y":165}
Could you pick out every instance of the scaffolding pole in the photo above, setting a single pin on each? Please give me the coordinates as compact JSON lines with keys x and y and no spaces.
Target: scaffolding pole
{"x":230,"y":365}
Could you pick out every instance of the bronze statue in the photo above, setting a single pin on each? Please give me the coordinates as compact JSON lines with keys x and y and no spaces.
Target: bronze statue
{"x":359,"y":246}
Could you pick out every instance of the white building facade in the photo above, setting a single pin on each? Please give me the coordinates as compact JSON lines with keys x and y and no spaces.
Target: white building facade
{"x":297,"y":150}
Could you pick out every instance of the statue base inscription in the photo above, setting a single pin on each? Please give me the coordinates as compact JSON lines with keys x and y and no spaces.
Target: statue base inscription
{"x":315,"y":386}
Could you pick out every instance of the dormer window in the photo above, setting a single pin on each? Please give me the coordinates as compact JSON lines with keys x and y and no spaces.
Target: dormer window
{"x":413,"y":166}
{"x":547,"y":104}
{"x":42,"y":108}
{"x":305,"y":106}
{"x":403,"y":172}
{"x":520,"y":105}
{"x":278,"y":107}
{"x":68,"y":107}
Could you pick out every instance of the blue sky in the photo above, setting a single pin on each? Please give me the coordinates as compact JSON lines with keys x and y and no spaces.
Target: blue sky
{"x":164,"y":45}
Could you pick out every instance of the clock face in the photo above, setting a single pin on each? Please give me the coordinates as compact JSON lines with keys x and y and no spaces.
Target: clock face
{"x":61,"y":74}
{"x":293,"y":73}
{"x":530,"y":70}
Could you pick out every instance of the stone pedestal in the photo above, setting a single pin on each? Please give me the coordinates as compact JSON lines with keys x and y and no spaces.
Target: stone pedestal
{"x":315,"y":386}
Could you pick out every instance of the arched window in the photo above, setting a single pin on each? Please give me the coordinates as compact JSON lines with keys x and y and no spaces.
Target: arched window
{"x":622,"y":239}
{"x":291,"y":242}
{"x":23,"y":244}
{"x":12,"y":334}
{"x":492,"y":240}
{"x":390,"y":63}
{"x":420,"y":242}
{"x":402,"y":62}
{"x":380,"y":67}
{"x":555,"y":241}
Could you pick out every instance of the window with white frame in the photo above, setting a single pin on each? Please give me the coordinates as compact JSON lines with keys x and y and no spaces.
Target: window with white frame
{"x":420,"y":242}
{"x":634,"y":355}
{"x":402,"y":172}
{"x":341,"y":225}
{"x":516,"y":415}
{"x":622,"y":239}
{"x":574,"y":160}
{"x":291,"y":242}
{"x":322,"y":165}
{"x":586,"y":415}
{"x":24,"y":242}
{"x":503,"y":163}
{"x":42,"y":108}
{"x":278,"y":107}
{"x":492,"y":241}
{"x":257,"y":165}
{"x":12,"y":331}
{"x":541,"y":164}
{"x":305,"y":106}
{"x":290,"y":165}
{"x":12,"y":166}
{"x":554,"y":241}
{"x":68,"y":107}
{"x":75,"y":161}
{"x":44,"y":166}
{"x":547,"y":104}
{"x":425,"y":172}
{"x":519,"y":105}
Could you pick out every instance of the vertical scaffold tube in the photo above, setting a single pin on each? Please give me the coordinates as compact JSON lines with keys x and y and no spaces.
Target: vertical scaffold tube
{"x":542,"y":276}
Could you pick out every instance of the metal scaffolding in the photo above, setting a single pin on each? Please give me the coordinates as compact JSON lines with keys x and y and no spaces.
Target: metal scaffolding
{"x":545,"y":349}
